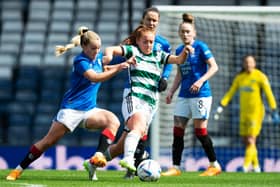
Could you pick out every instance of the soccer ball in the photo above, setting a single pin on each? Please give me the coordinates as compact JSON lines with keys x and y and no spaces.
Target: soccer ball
{"x":149,"y":170}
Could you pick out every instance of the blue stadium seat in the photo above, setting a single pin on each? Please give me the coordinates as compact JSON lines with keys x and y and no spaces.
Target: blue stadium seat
{"x":30,"y":59}
{"x":6,"y":90}
{"x":69,"y":139}
{"x":52,"y":85}
{"x":23,"y":119}
{"x":19,"y":135}
{"x":17,"y":107}
{"x":89,"y":138}
{"x":26,"y":96}
{"x":7,"y":59}
{"x":116,"y":108}
{"x":26,"y":83}
{"x":41,"y":125}
{"x":46,"y":107}
{"x":19,"y":128}
{"x":50,"y":96}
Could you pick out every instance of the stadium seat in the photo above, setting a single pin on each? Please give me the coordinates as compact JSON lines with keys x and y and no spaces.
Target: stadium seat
{"x":85,"y":15}
{"x":39,"y":15}
{"x":110,"y":15}
{"x":26,"y":84}
{"x":44,"y":107}
{"x":53,"y":72}
{"x":89,"y":138}
{"x":50,"y":96}
{"x":29,"y":71}
{"x":38,"y":132}
{"x":30,"y":59}
{"x":6,"y":82}
{"x":54,"y":38}
{"x":7,"y":61}
{"x":63,"y":5}
{"x":15,"y":4}
{"x":26,"y":96}
{"x":7,"y":37}
{"x":11,"y":15}
{"x":18,"y":135}
{"x":12,"y":26}
{"x":6,"y":90}
{"x":20,"y":119}
{"x":62,"y":15}
{"x":51,"y":60}
{"x":34,"y":37}
{"x":36,"y":26}
{"x":27,"y":77}
{"x":40,"y":5}
{"x":69,"y":139}
{"x":17,"y":107}
{"x":35,"y":48}
{"x":39,"y":10}
{"x":87,"y":5}
{"x":60,"y":26}
{"x":43,"y":119}
{"x":9,"y":53}
{"x":116,"y":107}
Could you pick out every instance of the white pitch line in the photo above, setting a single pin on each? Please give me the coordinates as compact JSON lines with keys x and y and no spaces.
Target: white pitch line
{"x":27,"y":184}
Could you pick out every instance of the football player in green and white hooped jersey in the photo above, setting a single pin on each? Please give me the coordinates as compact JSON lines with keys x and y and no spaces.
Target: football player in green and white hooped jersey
{"x":140,"y":99}
{"x":150,"y":18}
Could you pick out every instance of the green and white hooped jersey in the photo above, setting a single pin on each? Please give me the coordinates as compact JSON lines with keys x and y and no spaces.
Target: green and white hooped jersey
{"x":145,"y":75}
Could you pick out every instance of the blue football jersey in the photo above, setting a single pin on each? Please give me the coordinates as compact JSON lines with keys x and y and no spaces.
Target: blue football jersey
{"x":193,"y":69}
{"x":162,"y":44}
{"x":82,"y":94}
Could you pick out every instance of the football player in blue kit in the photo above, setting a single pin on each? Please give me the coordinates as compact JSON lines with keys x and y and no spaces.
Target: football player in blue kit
{"x":78,"y":107}
{"x":194,"y":99}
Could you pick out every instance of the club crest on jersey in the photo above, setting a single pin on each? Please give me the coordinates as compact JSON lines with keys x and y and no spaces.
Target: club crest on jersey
{"x":192,"y":54}
{"x":158,"y":47}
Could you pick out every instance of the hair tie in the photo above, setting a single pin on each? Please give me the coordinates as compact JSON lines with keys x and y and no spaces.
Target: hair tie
{"x":82,"y":30}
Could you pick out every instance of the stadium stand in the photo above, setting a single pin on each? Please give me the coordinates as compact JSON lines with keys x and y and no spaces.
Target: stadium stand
{"x":32,"y":79}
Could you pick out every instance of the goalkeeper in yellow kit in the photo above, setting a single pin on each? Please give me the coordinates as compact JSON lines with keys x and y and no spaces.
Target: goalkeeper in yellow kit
{"x":250,"y":83}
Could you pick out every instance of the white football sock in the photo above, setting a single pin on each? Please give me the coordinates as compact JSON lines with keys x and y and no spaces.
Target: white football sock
{"x":130,"y":144}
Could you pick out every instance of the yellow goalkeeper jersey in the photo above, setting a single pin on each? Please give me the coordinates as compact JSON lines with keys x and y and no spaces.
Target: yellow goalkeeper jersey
{"x":250,"y":87}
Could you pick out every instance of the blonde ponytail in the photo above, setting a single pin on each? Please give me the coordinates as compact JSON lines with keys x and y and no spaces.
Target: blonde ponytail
{"x":75,"y":41}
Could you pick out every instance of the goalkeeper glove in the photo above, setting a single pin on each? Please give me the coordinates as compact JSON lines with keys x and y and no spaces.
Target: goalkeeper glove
{"x":162,"y":84}
{"x":219,"y":110}
{"x":275,"y":117}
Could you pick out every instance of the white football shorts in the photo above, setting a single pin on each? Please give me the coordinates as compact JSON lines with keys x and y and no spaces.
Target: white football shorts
{"x":131,"y":105}
{"x":193,"y":108}
{"x":74,"y":118}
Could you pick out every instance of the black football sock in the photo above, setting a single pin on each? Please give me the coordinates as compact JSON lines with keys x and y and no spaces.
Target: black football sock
{"x":178,"y":145}
{"x":105,"y":139}
{"x":139,"y":153}
{"x":32,"y":155}
{"x":177,"y":150}
{"x":207,"y":145}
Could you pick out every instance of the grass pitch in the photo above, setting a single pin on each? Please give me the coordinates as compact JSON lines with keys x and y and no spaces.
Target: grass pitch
{"x":67,"y":178}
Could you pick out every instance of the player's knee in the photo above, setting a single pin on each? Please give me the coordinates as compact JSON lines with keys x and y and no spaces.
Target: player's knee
{"x":113,"y":123}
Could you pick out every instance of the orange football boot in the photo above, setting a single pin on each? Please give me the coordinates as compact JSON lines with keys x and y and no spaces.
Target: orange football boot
{"x":211,"y":171}
{"x":14,"y":175}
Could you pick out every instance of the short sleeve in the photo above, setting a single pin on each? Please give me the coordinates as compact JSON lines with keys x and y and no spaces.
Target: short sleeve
{"x":81,"y":66}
